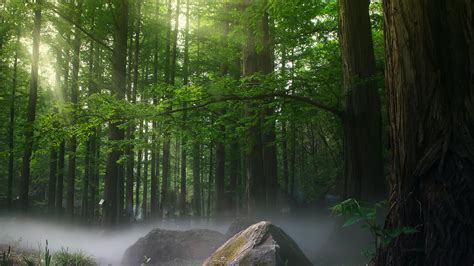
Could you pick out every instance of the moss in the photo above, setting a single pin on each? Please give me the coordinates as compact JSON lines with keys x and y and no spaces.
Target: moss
{"x":229,"y":251}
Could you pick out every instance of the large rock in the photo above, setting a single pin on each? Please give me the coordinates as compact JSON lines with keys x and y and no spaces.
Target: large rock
{"x":260,"y":244}
{"x":167,"y":247}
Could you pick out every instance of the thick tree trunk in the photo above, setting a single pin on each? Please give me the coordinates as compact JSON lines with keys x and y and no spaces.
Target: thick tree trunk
{"x":364,"y":178}
{"x":261,"y":158}
{"x":429,"y":74}
{"x":119,"y":61}
{"x":31,"y":112}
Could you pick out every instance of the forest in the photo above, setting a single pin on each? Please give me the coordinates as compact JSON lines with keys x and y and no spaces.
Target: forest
{"x":236,"y":132}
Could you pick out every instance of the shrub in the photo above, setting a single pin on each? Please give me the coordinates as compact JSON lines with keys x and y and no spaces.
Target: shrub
{"x":64,"y":257}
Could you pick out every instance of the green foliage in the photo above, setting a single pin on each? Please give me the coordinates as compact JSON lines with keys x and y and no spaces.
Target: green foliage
{"x":367,"y":216}
{"x":65,"y":257}
{"x":6,"y":258}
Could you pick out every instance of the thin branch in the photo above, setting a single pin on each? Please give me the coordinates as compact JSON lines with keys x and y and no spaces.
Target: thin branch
{"x":79,"y":27}
{"x":227,"y":98}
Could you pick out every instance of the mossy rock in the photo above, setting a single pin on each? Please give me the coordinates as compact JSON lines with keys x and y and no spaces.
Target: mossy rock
{"x":260,"y":244}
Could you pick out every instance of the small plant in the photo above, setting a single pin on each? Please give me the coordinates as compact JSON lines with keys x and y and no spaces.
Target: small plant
{"x":368,"y":217}
{"x":6,"y":257}
{"x":64,"y":257}
{"x":47,"y":255}
{"x":146,"y":260}
{"x":28,"y":260}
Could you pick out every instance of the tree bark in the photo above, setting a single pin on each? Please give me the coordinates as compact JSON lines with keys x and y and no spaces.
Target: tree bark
{"x":11,"y":126}
{"x":363,"y":161}
{"x":53,"y":166}
{"x":155,"y":153}
{"x":76,"y":48}
{"x":261,"y":158}
{"x":31,"y":112}
{"x":185,"y":117}
{"x":429,"y":76}
{"x":196,"y":179}
{"x":119,"y":62}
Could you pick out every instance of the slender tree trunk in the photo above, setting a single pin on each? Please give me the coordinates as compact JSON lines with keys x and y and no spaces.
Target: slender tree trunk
{"x":31,"y":112}
{"x":155,"y":145}
{"x":76,"y":48}
{"x":60,"y":178}
{"x":185,"y":117}
{"x":53,"y":166}
{"x":94,"y":139}
{"x":220,"y":147}
{"x":210,"y":179}
{"x":11,"y":127}
{"x":286,"y":174}
{"x":362,"y":118}
{"x":139,"y":170}
{"x":145,"y":176}
{"x":234,"y":171}
{"x":119,"y":61}
{"x":429,"y":76}
{"x":196,"y":179}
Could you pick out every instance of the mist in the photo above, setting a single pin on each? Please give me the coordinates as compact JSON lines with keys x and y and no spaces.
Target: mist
{"x":319,"y":236}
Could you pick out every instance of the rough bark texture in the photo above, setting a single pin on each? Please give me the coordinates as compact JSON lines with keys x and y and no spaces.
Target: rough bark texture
{"x":364,"y":177}
{"x":261,"y":157}
{"x":430,"y":80}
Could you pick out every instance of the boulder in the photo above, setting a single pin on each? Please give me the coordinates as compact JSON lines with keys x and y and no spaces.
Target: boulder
{"x":239,"y":224}
{"x":168,"y":247}
{"x":260,"y":244}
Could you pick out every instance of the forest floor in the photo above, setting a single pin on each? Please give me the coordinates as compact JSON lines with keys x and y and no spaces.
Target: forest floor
{"x":318,"y":234}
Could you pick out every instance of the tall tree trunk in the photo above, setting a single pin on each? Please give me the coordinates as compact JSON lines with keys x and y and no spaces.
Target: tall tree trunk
{"x":185,"y":117}
{"x":62,"y":146}
{"x":362,"y":119}
{"x":145,"y":175}
{"x":286,"y":174}
{"x":11,"y":126}
{"x":94,"y":139}
{"x":31,"y":112}
{"x":76,"y":48}
{"x":139,"y":170}
{"x":220,"y":147}
{"x":429,"y":76}
{"x":119,"y":61}
{"x":155,"y":153}
{"x":261,"y":181}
